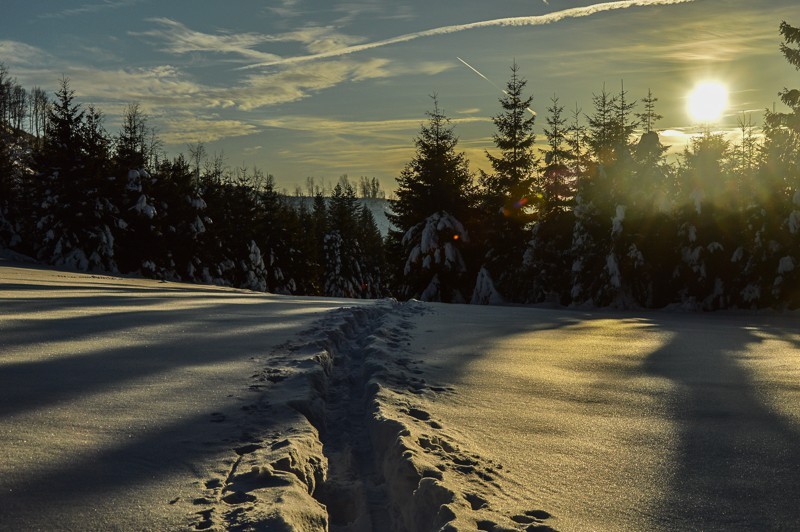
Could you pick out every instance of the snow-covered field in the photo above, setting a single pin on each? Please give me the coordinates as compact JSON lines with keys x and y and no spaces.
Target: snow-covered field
{"x":136,"y":404}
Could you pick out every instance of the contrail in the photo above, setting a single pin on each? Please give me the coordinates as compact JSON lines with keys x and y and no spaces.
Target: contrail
{"x":537,"y":20}
{"x":490,"y":81}
{"x":478,"y":73}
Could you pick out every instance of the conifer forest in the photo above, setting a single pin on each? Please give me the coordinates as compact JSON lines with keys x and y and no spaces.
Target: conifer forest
{"x":580,"y":207}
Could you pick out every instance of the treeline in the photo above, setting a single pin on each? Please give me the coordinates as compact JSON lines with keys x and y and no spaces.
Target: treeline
{"x":73,"y":195}
{"x":599,"y":217}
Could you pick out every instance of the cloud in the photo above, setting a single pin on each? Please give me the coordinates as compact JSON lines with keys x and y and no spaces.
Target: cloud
{"x":350,"y":11}
{"x":296,"y":82}
{"x":537,"y":20}
{"x":187,"y":128}
{"x":318,"y":39}
{"x":182,"y":40}
{"x":287,"y":9}
{"x":331,"y":147}
{"x":91,"y":8}
{"x":156,"y":88}
{"x":299,"y":81}
{"x":18,"y":53}
{"x":357,"y":128}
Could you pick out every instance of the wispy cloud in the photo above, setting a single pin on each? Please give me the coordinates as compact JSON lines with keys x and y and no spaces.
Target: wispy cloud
{"x":181,"y":39}
{"x":537,"y":20}
{"x":18,"y":53}
{"x":186,"y":128}
{"x":286,"y":9}
{"x":91,"y":8}
{"x":156,"y":88}
{"x":375,"y":9}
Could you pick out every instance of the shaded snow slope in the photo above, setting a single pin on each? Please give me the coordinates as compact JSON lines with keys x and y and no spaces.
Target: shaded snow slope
{"x":120,"y":398}
{"x":136,"y":404}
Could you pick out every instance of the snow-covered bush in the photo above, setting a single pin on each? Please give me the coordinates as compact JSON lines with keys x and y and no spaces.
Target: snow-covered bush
{"x":434,"y":268}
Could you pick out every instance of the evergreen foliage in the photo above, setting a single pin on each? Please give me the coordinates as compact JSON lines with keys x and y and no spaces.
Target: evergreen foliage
{"x":509,"y":196}
{"x":435,"y":186}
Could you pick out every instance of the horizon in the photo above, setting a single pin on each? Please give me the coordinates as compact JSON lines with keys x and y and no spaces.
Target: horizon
{"x":301,"y":88}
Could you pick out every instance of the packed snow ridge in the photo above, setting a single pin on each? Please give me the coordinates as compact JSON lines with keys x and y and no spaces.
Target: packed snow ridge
{"x":357,"y":451}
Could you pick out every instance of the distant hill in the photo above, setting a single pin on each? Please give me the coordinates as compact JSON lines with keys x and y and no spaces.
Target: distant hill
{"x":378,"y":207}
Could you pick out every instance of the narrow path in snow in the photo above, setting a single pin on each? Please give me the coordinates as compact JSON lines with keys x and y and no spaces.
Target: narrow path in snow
{"x":353,"y":492}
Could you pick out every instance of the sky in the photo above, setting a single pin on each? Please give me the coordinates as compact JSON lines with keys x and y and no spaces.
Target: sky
{"x":322,"y":88}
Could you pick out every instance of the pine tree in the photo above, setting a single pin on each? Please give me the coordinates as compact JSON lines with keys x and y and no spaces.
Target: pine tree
{"x":707,"y":220}
{"x":557,"y":176}
{"x":180,"y":222}
{"x":511,"y":185}
{"x":778,"y":250}
{"x":342,"y":252}
{"x":318,"y":230}
{"x":436,"y":179}
{"x":647,"y":187}
{"x":508,"y":195}
{"x":547,"y":256}
{"x":274,"y":231}
{"x":73,"y":214}
{"x":436,"y":186}
{"x":372,"y":253}
{"x":9,"y":192}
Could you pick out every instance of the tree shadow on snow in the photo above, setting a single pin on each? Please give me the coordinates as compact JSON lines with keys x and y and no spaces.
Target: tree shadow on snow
{"x":737,"y":460}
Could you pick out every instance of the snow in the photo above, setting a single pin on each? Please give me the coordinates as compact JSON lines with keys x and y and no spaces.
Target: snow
{"x":635,"y":254}
{"x":197,"y":226}
{"x":697,"y":197}
{"x":613,"y":270}
{"x":197,"y":203}
{"x":137,"y":404}
{"x":143,"y":207}
{"x":794,"y":221}
{"x":616,"y":222}
{"x":786,"y":265}
{"x":751,"y":293}
{"x":485,"y":292}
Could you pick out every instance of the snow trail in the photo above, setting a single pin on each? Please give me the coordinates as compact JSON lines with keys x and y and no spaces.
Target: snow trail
{"x":358,"y":450}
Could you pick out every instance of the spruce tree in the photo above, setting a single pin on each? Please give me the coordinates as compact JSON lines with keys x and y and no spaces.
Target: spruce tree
{"x":435,"y":192}
{"x":73,"y":216}
{"x":508,"y":195}
{"x":372,"y":253}
{"x":557,"y":178}
{"x":342,"y":252}
{"x":547,"y":256}
{"x":138,"y":205}
{"x":274,"y":232}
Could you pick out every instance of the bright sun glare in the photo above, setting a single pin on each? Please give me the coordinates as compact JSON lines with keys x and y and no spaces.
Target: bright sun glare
{"x":707,"y":102}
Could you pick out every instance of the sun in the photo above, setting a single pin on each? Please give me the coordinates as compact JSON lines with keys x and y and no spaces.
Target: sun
{"x":707,"y":101}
